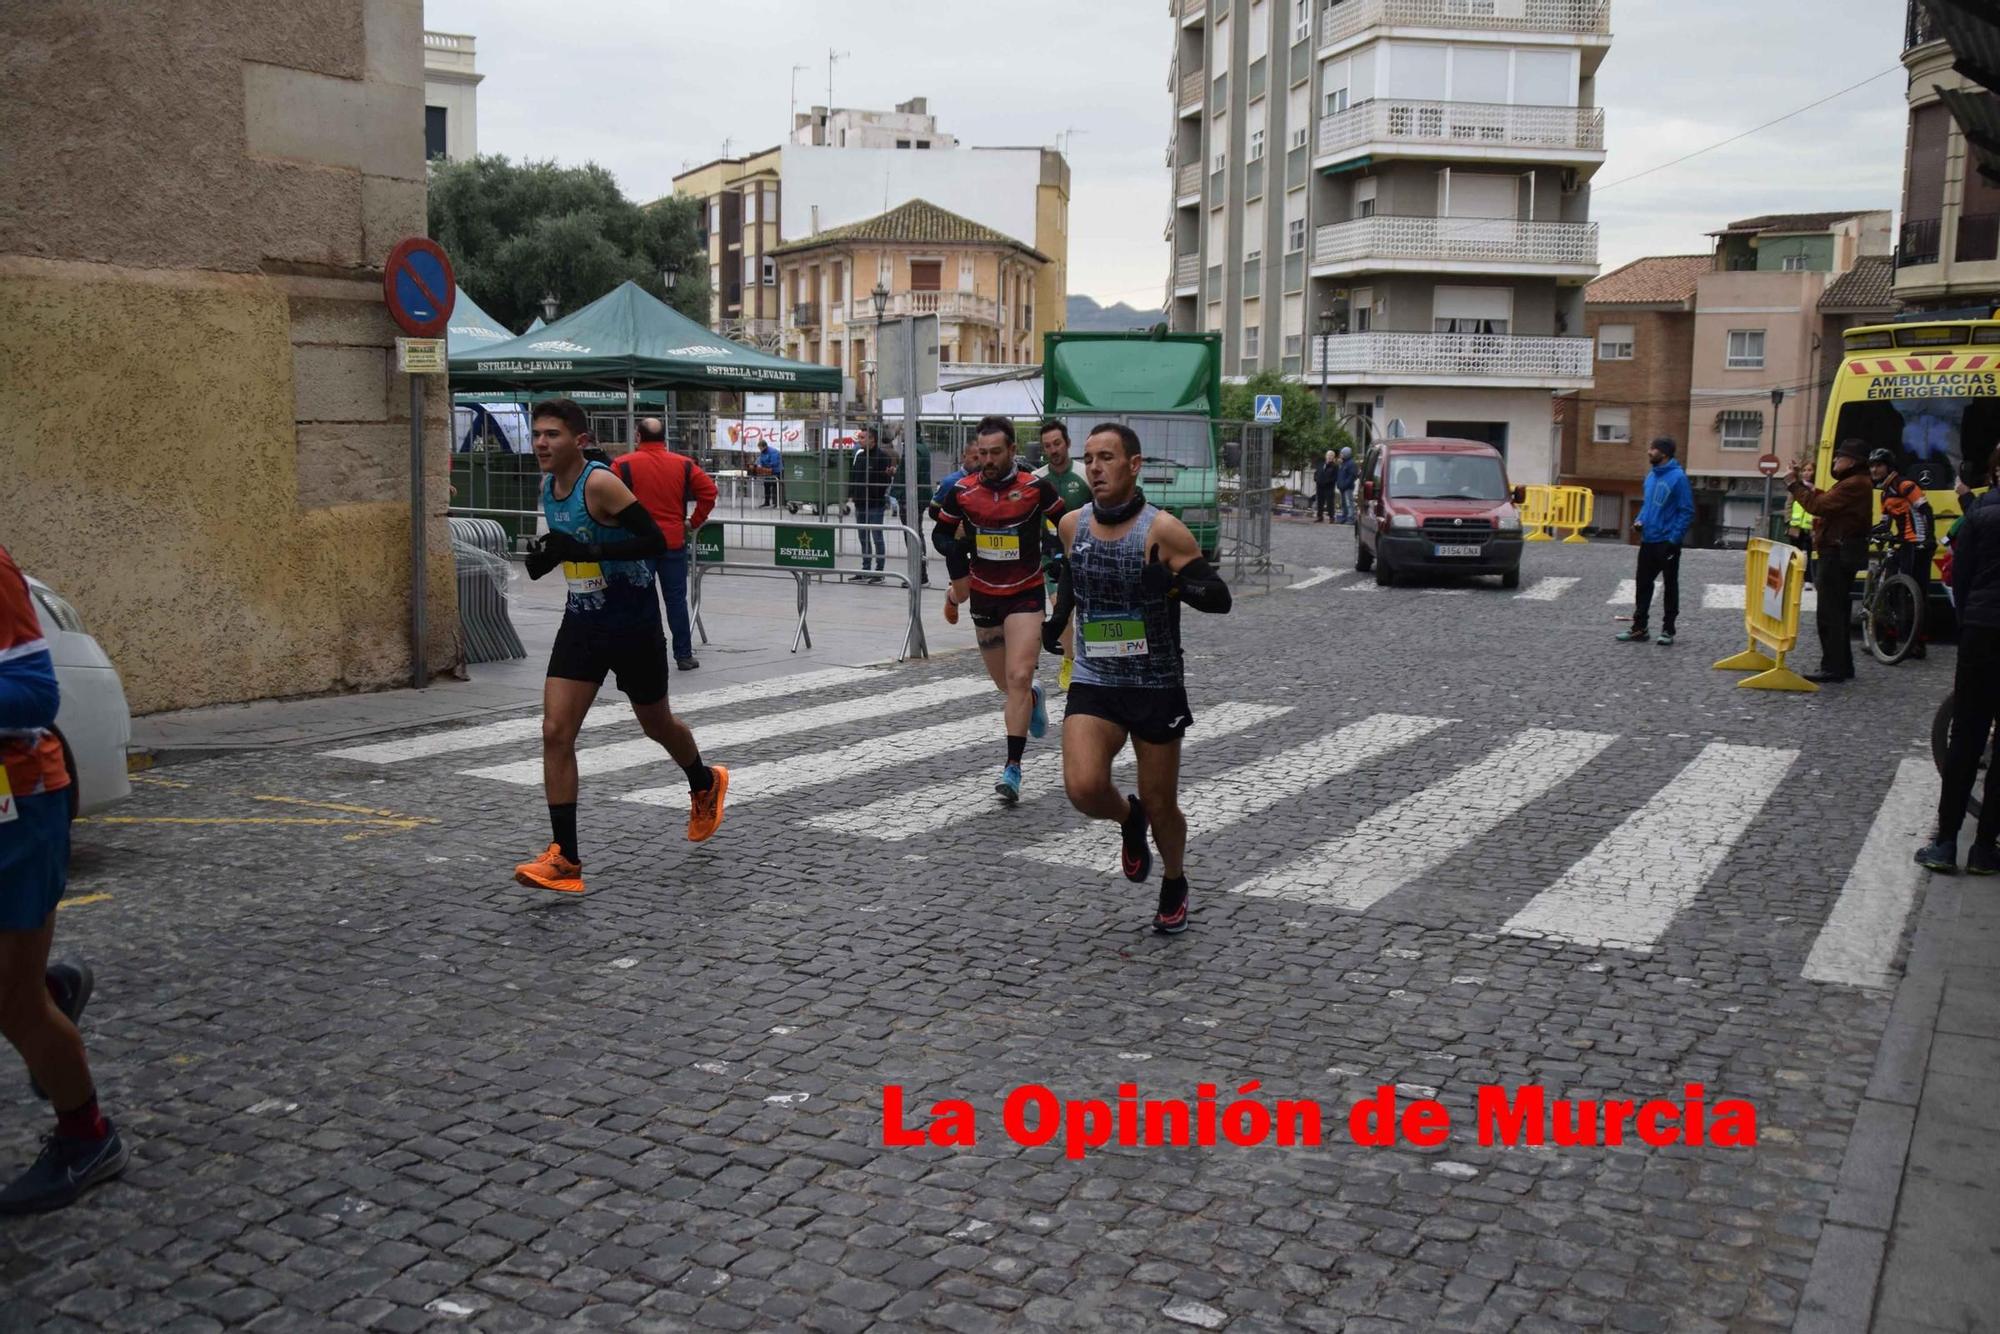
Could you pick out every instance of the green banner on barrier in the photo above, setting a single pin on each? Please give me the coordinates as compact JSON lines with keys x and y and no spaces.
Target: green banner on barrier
{"x":804,"y":546}
{"x":708,"y":545}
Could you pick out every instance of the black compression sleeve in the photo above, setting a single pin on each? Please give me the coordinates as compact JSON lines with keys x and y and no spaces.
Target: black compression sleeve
{"x":1202,"y":588}
{"x":646,"y":541}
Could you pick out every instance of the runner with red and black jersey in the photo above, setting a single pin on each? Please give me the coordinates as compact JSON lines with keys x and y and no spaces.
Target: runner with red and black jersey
{"x":992,"y":523}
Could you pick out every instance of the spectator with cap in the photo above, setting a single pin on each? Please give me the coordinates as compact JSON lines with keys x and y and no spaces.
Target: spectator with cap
{"x":665,"y":483}
{"x":1664,"y":519}
{"x":1841,"y":515}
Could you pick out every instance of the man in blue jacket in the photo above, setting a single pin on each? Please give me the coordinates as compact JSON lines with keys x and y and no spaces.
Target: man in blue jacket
{"x":1664,"y":520}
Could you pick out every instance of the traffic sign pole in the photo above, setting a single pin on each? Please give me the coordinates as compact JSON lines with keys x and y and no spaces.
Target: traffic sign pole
{"x":419,"y":288}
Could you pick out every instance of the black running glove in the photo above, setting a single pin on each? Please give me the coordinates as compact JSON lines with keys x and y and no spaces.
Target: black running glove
{"x":1052,"y":629}
{"x":539,"y":562}
{"x":1196,"y":584}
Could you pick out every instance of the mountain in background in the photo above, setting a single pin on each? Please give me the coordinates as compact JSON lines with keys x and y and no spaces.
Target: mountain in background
{"x":1086,"y":315}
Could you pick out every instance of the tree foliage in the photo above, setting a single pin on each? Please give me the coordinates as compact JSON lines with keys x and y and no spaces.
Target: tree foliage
{"x":1302,"y":436}
{"x":518,"y":230}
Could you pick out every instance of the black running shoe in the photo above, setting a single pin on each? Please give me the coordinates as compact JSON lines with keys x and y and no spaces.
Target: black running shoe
{"x":1135,"y":858}
{"x":1984,"y":859}
{"x":1172,"y":917}
{"x":1940,"y":855}
{"x":66,"y":1169}
{"x":70,"y":982}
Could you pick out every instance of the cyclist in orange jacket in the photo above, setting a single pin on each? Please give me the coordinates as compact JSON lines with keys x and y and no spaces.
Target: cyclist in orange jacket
{"x":1906,"y":509}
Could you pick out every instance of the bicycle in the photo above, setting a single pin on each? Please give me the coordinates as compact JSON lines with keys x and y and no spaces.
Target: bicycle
{"x":1892,"y":605}
{"x":1941,"y":744}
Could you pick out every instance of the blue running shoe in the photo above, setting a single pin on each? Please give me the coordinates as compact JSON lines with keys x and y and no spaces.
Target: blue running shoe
{"x":1038,"y":721}
{"x":1009,"y":786}
{"x":66,"y":1168}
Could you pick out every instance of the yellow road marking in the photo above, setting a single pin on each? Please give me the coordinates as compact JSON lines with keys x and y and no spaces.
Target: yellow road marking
{"x":348,"y":810}
{"x":83,"y":899}
{"x":154,"y":781}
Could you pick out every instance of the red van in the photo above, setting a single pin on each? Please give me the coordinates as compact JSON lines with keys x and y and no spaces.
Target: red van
{"x":1437,"y":507}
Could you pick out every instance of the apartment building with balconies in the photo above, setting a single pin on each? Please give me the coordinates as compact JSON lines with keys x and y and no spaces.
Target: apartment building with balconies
{"x":741,"y":207}
{"x":1391,"y":197}
{"x":1948,"y":248}
{"x":979,"y":282}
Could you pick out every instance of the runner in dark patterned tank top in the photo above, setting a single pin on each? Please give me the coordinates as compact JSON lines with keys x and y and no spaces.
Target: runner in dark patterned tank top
{"x":990,"y":525}
{"x":1129,"y":569}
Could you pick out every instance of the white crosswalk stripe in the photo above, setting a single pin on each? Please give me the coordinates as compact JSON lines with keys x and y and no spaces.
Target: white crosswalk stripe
{"x":1422,"y":831}
{"x":716,"y":741}
{"x":1214,"y":804}
{"x":1722,"y":597}
{"x":482,"y":735}
{"x":1548,"y":590}
{"x":1857,"y":943}
{"x":1627,"y":594}
{"x":893,"y":819}
{"x":1628,"y":889}
{"x":1320,"y":575}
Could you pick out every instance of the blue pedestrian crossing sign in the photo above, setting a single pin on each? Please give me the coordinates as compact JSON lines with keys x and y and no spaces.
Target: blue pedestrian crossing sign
{"x":1270,"y":408}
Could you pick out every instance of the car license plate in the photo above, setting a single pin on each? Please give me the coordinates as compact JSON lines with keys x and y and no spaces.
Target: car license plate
{"x":1454,"y":549}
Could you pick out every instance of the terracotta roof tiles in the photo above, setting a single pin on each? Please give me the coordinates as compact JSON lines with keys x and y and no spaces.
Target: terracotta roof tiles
{"x":1654,"y":281}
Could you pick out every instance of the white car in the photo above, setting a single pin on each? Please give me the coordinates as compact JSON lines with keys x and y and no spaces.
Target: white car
{"x":93,"y":722}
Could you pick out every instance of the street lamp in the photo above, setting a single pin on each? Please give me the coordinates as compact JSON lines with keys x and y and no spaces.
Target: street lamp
{"x":1325,"y":337}
{"x":549,"y":307}
{"x":1777,"y":398}
{"x":880,"y":296}
{"x":669,"y":276}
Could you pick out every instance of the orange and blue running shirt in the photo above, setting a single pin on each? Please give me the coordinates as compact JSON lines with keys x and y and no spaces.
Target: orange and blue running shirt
{"x":1006,"y":522}
{"x":30,"y":756}
{"x":1905,"y":505}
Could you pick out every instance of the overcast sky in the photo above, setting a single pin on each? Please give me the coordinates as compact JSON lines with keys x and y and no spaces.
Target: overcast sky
{"x":649,"y":87}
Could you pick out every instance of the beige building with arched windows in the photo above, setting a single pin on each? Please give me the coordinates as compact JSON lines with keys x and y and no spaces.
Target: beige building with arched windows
{"x":979,"y":283}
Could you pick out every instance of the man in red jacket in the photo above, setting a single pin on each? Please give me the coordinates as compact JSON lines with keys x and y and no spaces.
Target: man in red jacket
{"x":665,"y":483}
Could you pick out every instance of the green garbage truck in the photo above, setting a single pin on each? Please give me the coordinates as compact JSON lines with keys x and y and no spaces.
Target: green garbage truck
{"x":1165,"y":386}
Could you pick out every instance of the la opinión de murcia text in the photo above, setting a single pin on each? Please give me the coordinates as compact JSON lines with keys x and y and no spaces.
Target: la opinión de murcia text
{"x":1033,"y":1115}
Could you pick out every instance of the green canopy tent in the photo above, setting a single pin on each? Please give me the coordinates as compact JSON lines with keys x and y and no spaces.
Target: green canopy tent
{"x":471,"y":328}
{"x":628,"y":340}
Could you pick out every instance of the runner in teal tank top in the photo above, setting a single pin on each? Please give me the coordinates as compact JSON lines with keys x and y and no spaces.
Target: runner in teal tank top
{"x":601,"y":538}
{"x":1130,"y":569}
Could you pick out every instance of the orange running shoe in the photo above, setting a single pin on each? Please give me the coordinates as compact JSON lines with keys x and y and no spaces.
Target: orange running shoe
{"x":950,"y":610}
{"x":553,"y":871}
{"x":705,"y":808}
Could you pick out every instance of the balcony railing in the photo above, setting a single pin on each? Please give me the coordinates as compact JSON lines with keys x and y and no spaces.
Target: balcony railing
{"x":1187,"y":181}
{"x":1187,"y":272}
{"x":805,"y":315}
{"x":946,"y":306}
{"x":1978,"y":238}
{"x":1193,"y":87}
{"x":1349,"y":18}
{"x":1919,"y":29}
{"x":1471,"y":356}
{"x":1501,"y":241}
{"x":1463,"y":125}
{"x":1918,"y":243}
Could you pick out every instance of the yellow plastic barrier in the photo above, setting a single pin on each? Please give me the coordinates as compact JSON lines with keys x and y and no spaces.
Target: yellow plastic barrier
{"x":1537,"y":511}
{"x":1572,"y":510}
{"x":1774,"y":577}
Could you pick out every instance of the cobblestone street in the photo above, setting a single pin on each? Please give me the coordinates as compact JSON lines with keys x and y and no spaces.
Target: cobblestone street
{"x":1443,"y":837}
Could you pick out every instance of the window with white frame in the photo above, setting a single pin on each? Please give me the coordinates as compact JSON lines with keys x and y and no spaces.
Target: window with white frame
{"x":1614,"y":342}
{"x":1302,"y":23}
{"x":1795,"y":264}
{"x":1612,"y":426}
{"x":1251,"y":338}
{"x":1220,"y":161}
{"x":1298,"y":114}
{"x":1472,"y":310}
{"x":1295,"y":235}
{"x":770,"y":274}
{"x":1746,"y":350}
{"x":1742,"y":430}
{"x":1257,"y":144}
{"x":1260,"y":31}
{"x":1336,"y":101}
{"x":1364,"y":197}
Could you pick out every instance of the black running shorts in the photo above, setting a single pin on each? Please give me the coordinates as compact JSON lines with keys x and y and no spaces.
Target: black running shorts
{"x":988,"y":611}
{"x":1155,"y":715}
{"x":635,"y":650}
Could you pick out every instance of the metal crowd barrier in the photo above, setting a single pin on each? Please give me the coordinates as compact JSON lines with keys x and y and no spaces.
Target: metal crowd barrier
{"x":804,"y":577}
{"x":1774,"y":576}
{"x":479,"y":553}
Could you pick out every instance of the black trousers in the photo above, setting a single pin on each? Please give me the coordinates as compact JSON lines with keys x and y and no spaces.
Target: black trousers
{"x":1835,"y":583}
{"x":1976,"y":696}
{"x":1323,"y":503}
{"x":1658,"y":559}
{"x":1916,"y":562}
